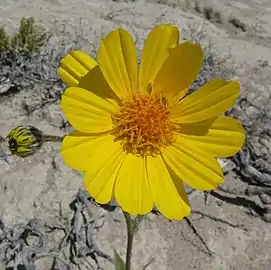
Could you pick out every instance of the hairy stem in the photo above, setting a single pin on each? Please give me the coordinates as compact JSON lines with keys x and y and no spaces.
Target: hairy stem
{"x":52,"y":138}
{"x":130,"y":237}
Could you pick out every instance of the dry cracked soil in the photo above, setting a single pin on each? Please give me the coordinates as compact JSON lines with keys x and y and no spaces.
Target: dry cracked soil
{"x":45,"y":219}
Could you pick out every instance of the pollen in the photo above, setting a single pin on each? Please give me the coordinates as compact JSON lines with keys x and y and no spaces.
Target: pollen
{"x":143,"y":125}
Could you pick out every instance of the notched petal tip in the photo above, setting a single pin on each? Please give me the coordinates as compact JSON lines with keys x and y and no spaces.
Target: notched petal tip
{"x":167,"y":190}
{"x":179,"y":71}
{"x":158,"y":45}
{"x":132,"y":190}
{"x":75,"y":66}
{"x":118,"y":62}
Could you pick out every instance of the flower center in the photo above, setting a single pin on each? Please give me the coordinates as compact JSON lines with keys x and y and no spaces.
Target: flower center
{"x":143,"y":125}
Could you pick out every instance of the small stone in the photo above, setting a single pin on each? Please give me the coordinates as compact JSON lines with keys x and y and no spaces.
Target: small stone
{"x":226,"y":164}
{"x":265,"y":198}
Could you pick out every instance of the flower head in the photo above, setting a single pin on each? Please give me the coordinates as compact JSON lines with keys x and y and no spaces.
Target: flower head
{"x":26,"y":140}
{"x":137,"y":136}
{"x":143,"y":125}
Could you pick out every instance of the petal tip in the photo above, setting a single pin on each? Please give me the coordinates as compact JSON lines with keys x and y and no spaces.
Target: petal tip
{"x":74,"y":66}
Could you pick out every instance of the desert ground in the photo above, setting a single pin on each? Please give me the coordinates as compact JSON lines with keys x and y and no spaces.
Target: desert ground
{"x":46,"y":216}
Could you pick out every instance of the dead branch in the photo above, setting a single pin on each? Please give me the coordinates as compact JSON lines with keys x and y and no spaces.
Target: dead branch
{"x":24,"y":244}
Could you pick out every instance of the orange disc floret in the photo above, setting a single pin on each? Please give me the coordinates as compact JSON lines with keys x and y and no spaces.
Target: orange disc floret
{"x":143,"y":124}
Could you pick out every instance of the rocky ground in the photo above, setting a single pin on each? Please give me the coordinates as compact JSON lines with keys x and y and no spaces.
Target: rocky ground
{"x":48,"y":222}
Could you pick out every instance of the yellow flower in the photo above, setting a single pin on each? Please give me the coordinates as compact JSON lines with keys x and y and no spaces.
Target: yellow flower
{"x":138,"y":138}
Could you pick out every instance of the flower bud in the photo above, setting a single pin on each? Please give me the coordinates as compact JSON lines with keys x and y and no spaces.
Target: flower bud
{"x":24,"y":141}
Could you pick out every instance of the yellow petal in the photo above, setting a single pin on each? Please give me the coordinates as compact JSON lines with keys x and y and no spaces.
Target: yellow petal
{"x":179,"y":71}
{"x":198,"y":128}
{"x":74,"y":66}
{"x":118,"y":62}
{"x":80,"y":150}
{"x":86,"y":111}
{"x":211,"y":100}
{"x":224,"y":137}
{"x":132,"y":190}
{"x":195,"y":167}
{"x":95,"y":82}
{"x":155,"y":52}
{"x":167,"y":190}
{"x":103,"y":169}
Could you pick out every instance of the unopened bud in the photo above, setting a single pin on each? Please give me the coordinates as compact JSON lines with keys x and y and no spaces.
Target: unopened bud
{"x":24,"y":141}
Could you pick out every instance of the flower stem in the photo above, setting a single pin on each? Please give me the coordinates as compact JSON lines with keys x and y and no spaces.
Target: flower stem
{"x":52,"y":138}
{"x":130,"y":237}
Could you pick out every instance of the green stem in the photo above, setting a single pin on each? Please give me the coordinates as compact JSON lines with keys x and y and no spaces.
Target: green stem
{"x":52,"y":138}
{"x":130,"y":237}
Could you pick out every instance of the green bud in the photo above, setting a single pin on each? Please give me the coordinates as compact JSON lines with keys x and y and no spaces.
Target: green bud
{"x":24,"y":141}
